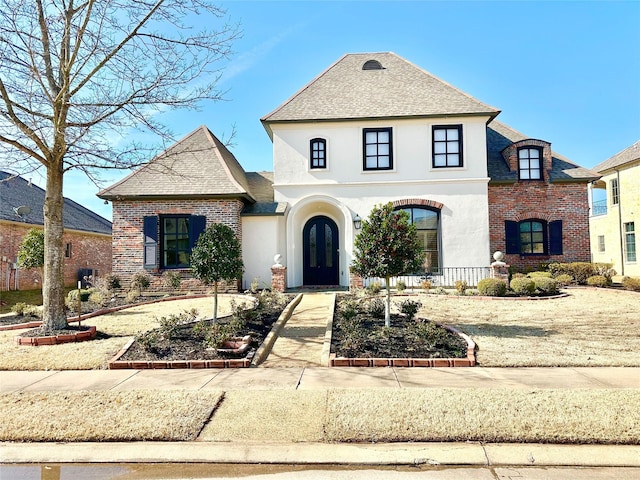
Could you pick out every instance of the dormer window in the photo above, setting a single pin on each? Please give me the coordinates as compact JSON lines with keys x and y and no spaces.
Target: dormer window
{"x":530,"y":163}
{"x":318,"y":153}
{"x":372,"y":65}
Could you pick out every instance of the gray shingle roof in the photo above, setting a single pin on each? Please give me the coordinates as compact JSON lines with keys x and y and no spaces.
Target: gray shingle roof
{"x":197,"y":166}
{"x":499,"y":136}
{"x":261,"y":186}
{"x":627,"y":155}
{"x":400,"y":89}
{"x":16,"y":192}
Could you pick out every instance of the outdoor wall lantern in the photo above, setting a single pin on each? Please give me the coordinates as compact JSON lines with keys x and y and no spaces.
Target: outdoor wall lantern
{"x":357,"y":222}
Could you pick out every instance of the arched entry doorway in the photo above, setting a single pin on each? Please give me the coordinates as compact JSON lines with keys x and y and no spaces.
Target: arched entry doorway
{"x":320,"y":252}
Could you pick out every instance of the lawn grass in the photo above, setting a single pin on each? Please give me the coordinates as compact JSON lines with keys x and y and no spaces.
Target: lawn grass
{"x":590,"y":327}
{"x":120,"y":327}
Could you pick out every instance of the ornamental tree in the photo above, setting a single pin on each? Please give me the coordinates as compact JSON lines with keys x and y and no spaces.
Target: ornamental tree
{"x":31,"y":250}
{"x":387,"y":246}
{"x":217,"y":256}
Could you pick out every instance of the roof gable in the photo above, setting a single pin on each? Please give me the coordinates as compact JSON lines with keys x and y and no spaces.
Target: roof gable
{"x":351,"y":89}
{"x":16,"y":191}
{"x":199,"y":165}
{"x":624,"y":157}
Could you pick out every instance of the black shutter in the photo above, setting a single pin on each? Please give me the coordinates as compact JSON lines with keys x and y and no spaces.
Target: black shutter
{"x":555,"y":237}
{"x":150,"y":230}
{"x":512,"y":237}
{"x":197,"y":225}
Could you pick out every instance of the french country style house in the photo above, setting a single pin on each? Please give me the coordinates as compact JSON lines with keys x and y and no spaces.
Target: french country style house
{"x":372,"y":128}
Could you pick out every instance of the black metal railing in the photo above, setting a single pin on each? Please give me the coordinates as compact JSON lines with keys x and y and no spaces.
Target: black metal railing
{"x":599,"y":208}
{"x":444,"y":277}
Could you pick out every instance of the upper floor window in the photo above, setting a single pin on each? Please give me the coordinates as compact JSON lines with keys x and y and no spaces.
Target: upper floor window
{"x":447,"y":146}
{"x":615,"y":191}
{"x":377,"y":149}
{"x":530,"y":163}
{"x":318,"y":153}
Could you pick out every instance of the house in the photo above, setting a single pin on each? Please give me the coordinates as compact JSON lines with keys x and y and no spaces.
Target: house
{"x":615,"y":220}
{"x":86,"y":238}
{"x":372,"y":128}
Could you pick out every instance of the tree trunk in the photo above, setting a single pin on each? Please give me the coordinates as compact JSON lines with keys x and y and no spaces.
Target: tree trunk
{"x":215,"y":302}
{"x":387,"y":305}
{"x":53,"y":314}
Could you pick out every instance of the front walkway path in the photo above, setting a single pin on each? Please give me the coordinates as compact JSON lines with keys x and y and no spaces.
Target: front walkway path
{"x":301,"y":340}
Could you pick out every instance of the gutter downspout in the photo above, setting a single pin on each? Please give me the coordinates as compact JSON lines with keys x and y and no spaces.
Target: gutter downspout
{"x":620,"y":223}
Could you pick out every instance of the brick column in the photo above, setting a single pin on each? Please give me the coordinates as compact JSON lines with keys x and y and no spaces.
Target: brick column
{"x":279,"y":278}
{"x":355,"y":281}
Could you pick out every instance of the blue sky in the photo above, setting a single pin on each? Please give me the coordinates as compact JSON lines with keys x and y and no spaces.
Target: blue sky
{"x":565,"y":72}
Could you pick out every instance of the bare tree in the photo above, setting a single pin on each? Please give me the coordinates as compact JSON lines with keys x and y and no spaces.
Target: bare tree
{"x":76,"y":77}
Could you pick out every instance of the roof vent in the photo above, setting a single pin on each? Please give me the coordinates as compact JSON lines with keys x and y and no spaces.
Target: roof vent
{"x":372,"y":65}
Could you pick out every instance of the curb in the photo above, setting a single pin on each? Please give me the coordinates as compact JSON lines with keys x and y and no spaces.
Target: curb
{"x":436,"y":454}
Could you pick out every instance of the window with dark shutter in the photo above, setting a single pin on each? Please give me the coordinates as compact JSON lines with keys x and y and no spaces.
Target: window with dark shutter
{"x":150,"y":231}
{"x":555,"y":237}
{"x":512,"y":237}
{"x":197,"y":225}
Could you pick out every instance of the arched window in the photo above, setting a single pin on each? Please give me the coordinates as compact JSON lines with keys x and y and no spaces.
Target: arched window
{"x":427,"y":222}
{"x":318,"y":153}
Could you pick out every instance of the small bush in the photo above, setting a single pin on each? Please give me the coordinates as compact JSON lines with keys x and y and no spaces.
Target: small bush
{"x":27,"y":310}
{"x":523,"y":286}
{"x":132,"y":296}
{"x":410,"y":307}
{"x":349,"y":310}
{"x":426,"y":285}
{"x":492,"y":287}
{"x":376,"y":307}
{"x":401,"y":286}
{"x":140,"y":281}
{"x":461,"y":286}
{"x":20,"y":307}
{"x":546,"y":285}
{"x":518,"y":275}
{"x":604,"y":269}
{"x":98,"y":298}
{"x":72,"y":296}
{"x":564,"y":279}
{"x":581,"y":271}
{"x":171,"y":280}
{"x":597,"y":281}
{"x":631,"y":283}
{"x":539,"y":274}
{"x":374,"y":289}
{"x":441,"y":291}
{"x":112,"y":281}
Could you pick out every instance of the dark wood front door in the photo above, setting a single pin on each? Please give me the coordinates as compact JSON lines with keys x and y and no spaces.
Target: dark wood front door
{"x":320,"y":250}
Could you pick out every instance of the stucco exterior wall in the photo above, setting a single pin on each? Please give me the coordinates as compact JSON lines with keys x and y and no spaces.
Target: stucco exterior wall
{"x":611,"y":225}
{"x":260,"y":243}
{"x":87,"y":251}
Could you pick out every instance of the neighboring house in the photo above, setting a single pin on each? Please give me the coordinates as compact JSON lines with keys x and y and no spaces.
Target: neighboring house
{"x":86,"y":238}
{"x":615,"y":221}
{"x":372,"y":128}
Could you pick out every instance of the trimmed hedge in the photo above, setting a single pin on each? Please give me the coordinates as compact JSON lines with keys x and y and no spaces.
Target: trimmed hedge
{"x":546,"y":285}
{"x":523,"y":286}
{"x":581,"y":271}
{"x":631,"y":283}
{"x":492,"y":287}
{"x":597,"y":281}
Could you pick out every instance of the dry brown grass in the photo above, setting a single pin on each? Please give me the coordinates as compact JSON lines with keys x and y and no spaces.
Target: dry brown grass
{"x":591,"y":327}
{"x":120,"y":326}
{"x":104,"y":416}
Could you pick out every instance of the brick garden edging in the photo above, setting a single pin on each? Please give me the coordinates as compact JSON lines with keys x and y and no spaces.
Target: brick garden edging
{"x":82,"y":336}
{"x":469,"y":361}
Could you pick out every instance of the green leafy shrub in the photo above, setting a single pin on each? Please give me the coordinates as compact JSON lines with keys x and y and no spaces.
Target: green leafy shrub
{"x":401,"y":286}
{"x":546,"y":285}
{"x":374,"y":289}
{"x":376,"y":307}
{"x":539,"y":274}
{"x":631,"y":283}
{"x":518,"y":275}
{"x":171,"y":280}
{"x":349,"y":310}
{"x":564,"y":279}
{"x":112,"y":281}
{"x":72,"y":296}
{"x":26,"y":310}
{"x":604,"y":269}
{"x":132,"y":296}
{"x":441,"y":291}
{"x":523,"y":286}
{"x":492,"y":287}
{"x":410,"y":308}
{"x":19,"y":308}
{"x":140,"y":281}
{"x":597,"y":281}
{"x":461,"y":286}
{"x":98,"y":298}
{"x":581,"y":271}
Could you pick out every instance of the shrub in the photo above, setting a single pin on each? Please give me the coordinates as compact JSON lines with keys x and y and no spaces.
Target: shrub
{"x":546,"y":285}
{"x":410,"y":307}
{"x":539,"y":274}
{"x":132,"y":296}
{"x":564,"y":279}
{"x":20,"y":307}
{"x":604,"y":269}
{"x":492,"y":287}
{"x":518,"y":275}
{"x":98,"y":298}
{"x":375,"y":288}
{"x":631,"y":283}
{"x":581,"y":271}
{"x":349,"y":310}
{"x":112,"y":281}
{"x":26,"y":310}
{"x":401,"y":286}
{"x":376,"y":307}
{"x":461,"y":286}
{"x":140,"y":281}
{"x":441,"y":291}
{"x":171,"y":280}
{"x":426,"y":285}
{"x":597,"y":281}
{"x":523,"y":286}
{"x":72,"y":296}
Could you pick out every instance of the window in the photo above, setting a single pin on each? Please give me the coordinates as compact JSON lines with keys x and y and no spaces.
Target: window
{"x":318,"y":153}
{"x":529,"y":163}
{"x":615,"y":192}
{"x":447,"y":146}
{"x":67,"y":250}
{"x":378,"y":151}
{"x":630,"y":242}
{"x":169,"y":239}
{"x":601,"y":243}
{"x":427,"y":224}
{"x":533,"y":237}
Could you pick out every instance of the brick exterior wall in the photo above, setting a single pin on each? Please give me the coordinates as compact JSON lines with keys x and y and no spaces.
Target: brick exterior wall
{"x":540,"y":200}
{"x":128,"y":234}
{"x":87,"y":251}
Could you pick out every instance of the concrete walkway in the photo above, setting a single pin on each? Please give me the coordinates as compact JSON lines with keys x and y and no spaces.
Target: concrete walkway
{"x":301,"y":342}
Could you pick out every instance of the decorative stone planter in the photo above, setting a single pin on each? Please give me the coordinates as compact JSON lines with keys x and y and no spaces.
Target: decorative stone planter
{"x":81,"y":336}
